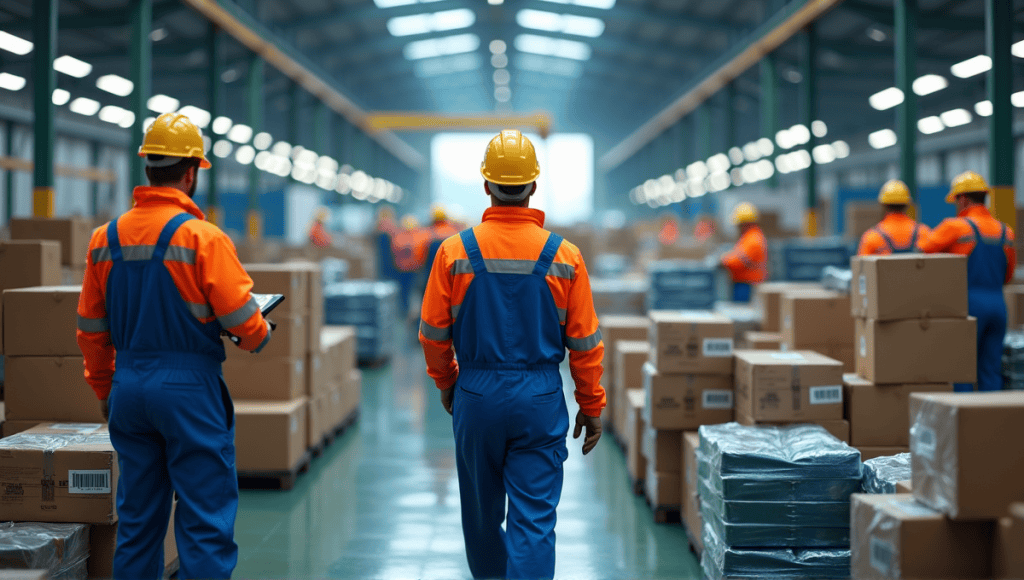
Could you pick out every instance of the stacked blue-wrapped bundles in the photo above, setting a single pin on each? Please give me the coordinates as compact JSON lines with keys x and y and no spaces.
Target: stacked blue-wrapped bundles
{"x":776,"y":501}
{"x":681,"y":285}
{"x":371,"y":307}
{"x":1013,"y":359}
{"x":803,"y":260}
{"x":881,"y":474}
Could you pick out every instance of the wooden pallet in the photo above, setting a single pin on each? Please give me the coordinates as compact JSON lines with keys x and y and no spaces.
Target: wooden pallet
{"x":667,"y":514}
{"x":637,"y":485}
{"x":695,"y":546}
{"x":283,"y":480}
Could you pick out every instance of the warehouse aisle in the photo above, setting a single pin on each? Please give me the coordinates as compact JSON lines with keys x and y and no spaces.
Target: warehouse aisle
{"x":383,"y":502}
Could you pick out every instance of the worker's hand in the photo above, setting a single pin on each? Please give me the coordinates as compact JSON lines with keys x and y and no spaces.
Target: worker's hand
{"x":105,"y":409}
{"x":593,"y":425}
{"x":448,"y":398}
{"x":271,"y":324}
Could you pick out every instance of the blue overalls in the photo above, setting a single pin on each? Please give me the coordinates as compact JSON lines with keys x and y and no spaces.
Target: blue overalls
{"x":910,"y":248}
{"x":986,"y":271}
{"x":741,"y":291}
{"x":171,"y":421}
{"x":510,"y":417}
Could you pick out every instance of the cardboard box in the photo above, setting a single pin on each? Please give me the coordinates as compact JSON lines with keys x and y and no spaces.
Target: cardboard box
{"x":615,"y":328}
{"x":314,"y":299}
{"x":72,"y":275}
{"x":1008,"y":557}
{"x":49,"y":388}
{"x":41,"y":321}
{"x":316,"y":375}
{"x":663,"y":450}
{"x":845,"y":354}
{"x":73,"y":234}
{"x":288,"y":279}
{"x":355,"y":391}
{"x":630,"y":356}
{"x":1014,"y":295}
{"x":270,"y":436}
{"x":276,"y":379}
{"x":103,"y":542}
{"x":691,"y":342}
{"x":815,"y":317}
{"x":25,"y":263}
{"x":756,"y":340}
{"x":904,"y":486}
{"x":686,"y":401}
{"x":903,"y":286}
{"x":925,"y":350}
{"x":691,"y":502}
{"x":768,"y":297}
{"x":873,"y":452}
{"x":880,"y":415}
{"x":339,"y":344}
{"x":788,"y":386}
{"x":840,"y":429}
{"x":317,"y":420}
{"x":59,"y":473}
{"x":965,"y":454}
{"x":892,"y":536}
{"x":636,"y":463}
{"x":860,"y":217}
{"x":289,"y":339}
{"x":663,"y":489}
{"x":15,"y":427}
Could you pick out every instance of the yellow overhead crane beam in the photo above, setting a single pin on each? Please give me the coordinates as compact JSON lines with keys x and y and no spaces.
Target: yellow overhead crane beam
{"x":413,"y":121}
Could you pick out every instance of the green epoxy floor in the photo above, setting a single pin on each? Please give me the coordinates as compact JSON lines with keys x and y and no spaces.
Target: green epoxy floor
{"x":383,"y":502}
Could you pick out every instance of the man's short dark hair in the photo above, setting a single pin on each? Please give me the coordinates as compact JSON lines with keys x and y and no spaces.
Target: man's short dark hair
{"x":976,"y":196}
{"x":172,"y":173}
{"x":890,"y":207}
{"x":512,"y":190}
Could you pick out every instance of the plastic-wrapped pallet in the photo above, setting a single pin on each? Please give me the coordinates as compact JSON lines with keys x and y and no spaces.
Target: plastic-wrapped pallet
{"x":371,"y":307}
{"x":619,"y":296}
{"x":681,"y":285}
{"x":1013,"y":360}
{"x":804,"y":259}
{"x":881,"y":474}
{"x":837,"y":279}
{"x":721,"y":561}
{"x":334,"y":270}
{"x":62,"y":549}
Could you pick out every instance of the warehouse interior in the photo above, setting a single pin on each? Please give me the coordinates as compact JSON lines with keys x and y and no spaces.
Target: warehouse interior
{"x":818,"y":430}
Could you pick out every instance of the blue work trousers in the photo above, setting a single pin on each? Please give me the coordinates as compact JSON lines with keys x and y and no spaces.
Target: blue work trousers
{"x":989,"y":307}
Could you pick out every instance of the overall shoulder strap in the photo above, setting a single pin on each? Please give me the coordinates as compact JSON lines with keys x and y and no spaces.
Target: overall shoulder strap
{"x":167,"y":233}
{"x":1002,"y":236}
{"x":113,"y":242}
{"x":913,"y":236}
{"x":885,"y":238}
{"x":476,"y":259}
{"x":977,"y":233}
{"x":547,"y":255}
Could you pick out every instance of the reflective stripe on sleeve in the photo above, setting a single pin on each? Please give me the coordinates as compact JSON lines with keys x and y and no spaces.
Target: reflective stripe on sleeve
{"x":101,"y":255}
{"x":145,"y":252}
{"x":180,"y":254}
{"x":561,"y":315}
{"x":455,"y":310}
{"x":560,"y":270}
{"x":265,"y":340}
{"x":93,"y":324}
{"x":434,"y":333}
{"x":239,"y":316}
{"x":584,"y":344}
{"x":462,"y":267}
{"x":201,"y":310}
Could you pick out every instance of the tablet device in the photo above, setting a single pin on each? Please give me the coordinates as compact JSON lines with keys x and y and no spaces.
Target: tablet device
{"x":268,"y":302}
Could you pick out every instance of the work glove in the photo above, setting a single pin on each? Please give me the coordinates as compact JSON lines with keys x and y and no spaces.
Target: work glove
{"x":105,"y":409}
{"x":448,"y":398}
{"x":593,"y":425}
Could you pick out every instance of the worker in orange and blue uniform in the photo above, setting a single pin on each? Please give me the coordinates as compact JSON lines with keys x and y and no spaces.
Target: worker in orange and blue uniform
{"x":161,"y":285}
{"x":442,"y":229}
{"x":318,"y":234}
{"x":748,"y":261}
{"x":410,"y":246}
{"x":897,"y":233}
{"x":504,"y":301}
{"x":991,"y":258}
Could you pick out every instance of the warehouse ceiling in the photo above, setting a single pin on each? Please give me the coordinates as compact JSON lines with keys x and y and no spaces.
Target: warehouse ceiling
{"x":598,"y":66}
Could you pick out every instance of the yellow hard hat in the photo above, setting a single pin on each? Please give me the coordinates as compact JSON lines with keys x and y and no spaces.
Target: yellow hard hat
{"x":439,"y":213}
{"x":174,"y":135}
{"x":894,"y":192}
{"x":322,"y":214}
{"x":966,"y":182}
{"x":744,"y":213}
{"x":510,"y":160}
{"x":410,"y":222}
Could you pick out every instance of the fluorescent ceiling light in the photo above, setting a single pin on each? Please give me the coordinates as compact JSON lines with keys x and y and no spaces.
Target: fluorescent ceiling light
{"x":601,"y":4}
{"x":498,"y":47}
{"x":127,"y":120}
{"x":886,"y":99}
{"x":162,"y":104}
{"x":930,"y":125}
{"x":548,"y":65}
{"x":436,"y":22}
{"x":115,"y":85}
{"x":784,"y":140}
{"x":262,"y":140}
{"x":876,"y":34}
{"x":60,"y":97}
{"x":245,"y":154}
{"x":819,"y":128}
{"x":221,"y":125}
{"x":547,"y":46}
{"x":842,"y":149}
{"x":11,"y":82}
{"x":14,"y":44}
{"x":750,"y":152}
{"x":499,"y":60}
{"x":502,"y":94}
{"x":84,"y":106}
{"x":956,"y":117}
{"x":495,"y":2}
{"x":564,"y":23}
{"x":200,"y":117}
{"x":800,"y":134}
{"x":70,"y":65}
{"x":718,"y":163}
{"x":1017,"y":99}
{"x":158,"y":34}
{"x":882,"y":139}
{"x":972,"y":66}
{"x":983,"y":108}
{"x":392,"y":3}
{"x":735,"y":155}
{"x":501,"y":76}
{"x":147,"y":123}
{"x":443,"y":46}
{"x":112,"y":114}
{"x":1017,"y":49}
{"x":765,"y":146}
{"x":240,"y":133}
{"x":222,"y":148}
{"x":433,"y":67}
{"x":928,"y":84}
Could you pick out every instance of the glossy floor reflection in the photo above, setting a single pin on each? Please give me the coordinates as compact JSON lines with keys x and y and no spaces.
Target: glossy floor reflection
{"x":383,"y":502}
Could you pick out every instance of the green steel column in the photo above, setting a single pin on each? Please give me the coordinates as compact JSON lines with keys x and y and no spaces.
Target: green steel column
{"x":322,"y":128}
{"x":345,"y":132}
{"x":730,"y":116}
{"x":703,"y":132}
{"x":44,"y":35}
{"x":294,"y":94}
{"x":215,"y":90}
{"x":9,"y":175}
{"x":141,"y":74}
{"x":769,"y":108}
{"x":906,"y":72}
{"x":254,"y":100}
{"x":810,"y":98}
{"x":95,"y":185}
{"x":998,"y":37}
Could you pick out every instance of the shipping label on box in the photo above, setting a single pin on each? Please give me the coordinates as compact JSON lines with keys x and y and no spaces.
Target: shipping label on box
{"x":691,"y":342}
{"x":59,"y":473}
{"x":288,"y":279}
{"x":270,"y":435}
{"x":41,"y":321}
{"x":903,"y":286}
{"x":49,"y":388}
{"x":686,"y":401}
{"x":880,"y":415}
{"x":788,"y":386}
{"x":25,"y":263}
{"x":276,"y":379}
{"x":815,"y":317}
{"x":926,"y":350}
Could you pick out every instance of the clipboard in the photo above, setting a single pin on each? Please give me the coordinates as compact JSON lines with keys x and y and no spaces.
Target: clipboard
{"x":268,"y":302}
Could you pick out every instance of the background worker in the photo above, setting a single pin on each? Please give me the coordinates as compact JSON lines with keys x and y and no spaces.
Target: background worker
{"x":409,"y":246}
{"x":441,"y":229}
{"x":897,"y":233}
{"x":161,"y":284}
{"x":748,"y":261}
{"x":991,"y":258}
{"x":318,"y":234}
{"x":508,"y":297}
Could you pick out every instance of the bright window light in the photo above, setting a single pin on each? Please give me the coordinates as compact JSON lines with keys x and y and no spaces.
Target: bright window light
{"x":240,"y":133}
{"x":434,"y":47}
{"x":221,"y":125}
{"x":147,"y":123}
{"x":819,"y":128}
{"x":882,"y":139}
{"x":983,"y":108}
{"x":70,"y":65}
{"x":14,"y":44}
{"x":245,"y":154}
{"x":501,"y":76}
{"x":928,"y":84}
{"x":930,"y":125}
{"x":222,"y":148}
{"x":545,"y":45}
{"x":84,"y":106}
{"x":436,"y":22}
{"x":1018,"y":49}
{"x":127,"y":120}
{"x":1017,"y":99}
{"x":112,"y":114}
{"x":842,"y":149}
{"x":564,"y":23}
{"x":972,"y":66}
{"x":200,"y":117}
{"x":162,"y":104}
{"x":495,"y":2}
{"x":11,"y":82}
{"x":502,"y":94}
{"x":956,"y":117}
{"x":886,"y":99}
{"x":115,"y":85}
{"x":262,"y":140}
{"x":409,"y":25}
{"x":60,"y":97}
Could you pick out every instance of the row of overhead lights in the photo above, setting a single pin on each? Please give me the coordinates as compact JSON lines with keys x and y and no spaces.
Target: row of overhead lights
{"x":501,"y":76}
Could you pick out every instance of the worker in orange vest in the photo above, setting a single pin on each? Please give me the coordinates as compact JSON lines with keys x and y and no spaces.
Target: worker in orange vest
{"x":409,"y":247}
{"x":897,"y":233}
{"x":318,"y":234}
{"x":441,"y":229}
{"x":991,"y":259}
{"x":748,"y":260}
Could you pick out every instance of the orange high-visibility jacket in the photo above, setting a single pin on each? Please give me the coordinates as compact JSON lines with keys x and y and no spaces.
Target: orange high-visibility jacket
{"x":410,"y":248}
{"x":202,"y":262}
{"x":748,"y":260}
{"x":955,"y":236}
{"x":899,"y":228}
{"x":511,"y":233}
{"x":318,"y":235}
{"x":442,"y":230}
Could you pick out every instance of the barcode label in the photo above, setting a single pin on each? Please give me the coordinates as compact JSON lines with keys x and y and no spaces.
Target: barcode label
{"x":826,"y":395}
{"x":863,"y":346}
{"x":923,"y":441}
{"x":716,"y":399}
{"x":864,"y":287}
{"x":89,"y":481}
{"x":714,"y":347}
{"x":882,"y":553}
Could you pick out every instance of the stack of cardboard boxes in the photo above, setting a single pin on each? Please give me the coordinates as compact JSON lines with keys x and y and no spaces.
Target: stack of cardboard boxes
{"x":818,"y":320}
{"x":344,"y":379}
{"x":615,"y":328}
{"x":768,"y":300}
{"x":912,"y":334}
{"x":73,"y":234}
